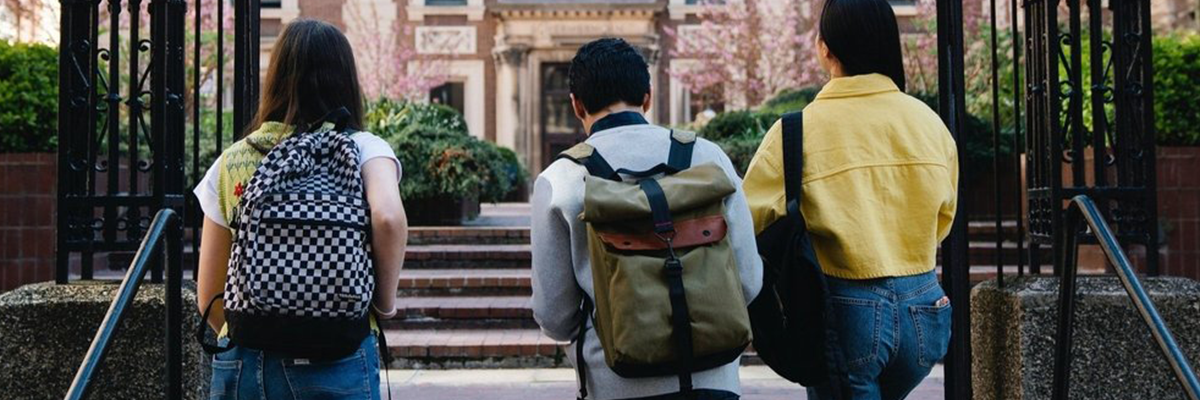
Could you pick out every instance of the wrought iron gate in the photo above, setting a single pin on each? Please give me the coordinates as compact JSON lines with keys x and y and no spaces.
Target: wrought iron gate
{"x":122,"y":150}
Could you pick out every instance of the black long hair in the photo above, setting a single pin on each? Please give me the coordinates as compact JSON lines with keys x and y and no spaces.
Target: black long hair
{"x":864,"y":37}
{"x":312,"y":72}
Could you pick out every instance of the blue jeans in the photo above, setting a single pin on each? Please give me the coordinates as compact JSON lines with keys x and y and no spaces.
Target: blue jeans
{"x":244,"y":374}
{"x":892,"y":332}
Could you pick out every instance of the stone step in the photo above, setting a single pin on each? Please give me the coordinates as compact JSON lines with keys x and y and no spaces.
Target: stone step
{"x":456,"y":348}
{"x":463,"y":312}
{"x":464,"y":282}
{"x":471,"y":235}
{"x":458,"y":256}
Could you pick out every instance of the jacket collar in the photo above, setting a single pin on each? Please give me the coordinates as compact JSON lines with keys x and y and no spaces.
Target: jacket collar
{"x":618,"y":120}
{"x":857,"y":85}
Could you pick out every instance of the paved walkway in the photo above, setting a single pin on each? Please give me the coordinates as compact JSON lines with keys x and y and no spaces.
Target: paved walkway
{"x":758,"y":383}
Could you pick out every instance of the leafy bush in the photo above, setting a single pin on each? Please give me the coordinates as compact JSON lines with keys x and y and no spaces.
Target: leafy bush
{"x":790,"y":100}
{"x":737,"y":124}
{"x":1176,"y":73}
{"x":439,"y":157}
{"x":28,"y":98}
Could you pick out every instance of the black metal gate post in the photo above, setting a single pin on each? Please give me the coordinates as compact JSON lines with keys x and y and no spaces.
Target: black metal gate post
{"x":76,"y":72}
{"x":956,"y":266}
{"x":246,"y":15}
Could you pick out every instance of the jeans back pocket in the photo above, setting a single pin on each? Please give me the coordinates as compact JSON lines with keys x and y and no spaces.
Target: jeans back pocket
{"x":225,"y":377}
{"x":344,"y":379}
{"x":857,"y":324}
{"x":933,"y":332}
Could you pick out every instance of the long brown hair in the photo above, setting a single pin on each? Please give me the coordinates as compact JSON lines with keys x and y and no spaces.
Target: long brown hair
{"x":312,"y":72}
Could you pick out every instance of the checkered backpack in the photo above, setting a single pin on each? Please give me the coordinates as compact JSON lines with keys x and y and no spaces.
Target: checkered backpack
{"x":300,"y":277}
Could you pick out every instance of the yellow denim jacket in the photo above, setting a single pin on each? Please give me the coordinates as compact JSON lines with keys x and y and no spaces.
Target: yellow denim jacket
{"x":880,"y":179}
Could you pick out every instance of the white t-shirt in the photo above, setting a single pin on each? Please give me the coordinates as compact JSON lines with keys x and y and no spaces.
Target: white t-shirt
{"x":369,"y":147}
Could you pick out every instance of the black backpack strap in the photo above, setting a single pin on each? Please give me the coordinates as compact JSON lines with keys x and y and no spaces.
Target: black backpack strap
{"x":203,"y":326}
{"x":793,"y":163}
{"x":681,"y":326}
{"x":587,"y":156}
{"x":580,"y":364}
{"x":678,"y":159}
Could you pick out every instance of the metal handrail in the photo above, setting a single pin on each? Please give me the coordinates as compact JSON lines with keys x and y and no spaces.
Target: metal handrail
{"x":166,"y":221}
{"x":1082,"y":209}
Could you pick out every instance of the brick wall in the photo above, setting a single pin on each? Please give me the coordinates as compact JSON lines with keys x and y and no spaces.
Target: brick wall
{"x":1179,"y":209}
{"x":27,"y":198}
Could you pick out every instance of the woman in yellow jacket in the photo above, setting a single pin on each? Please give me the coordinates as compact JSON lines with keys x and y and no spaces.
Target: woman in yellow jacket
{"x":879,"y":184}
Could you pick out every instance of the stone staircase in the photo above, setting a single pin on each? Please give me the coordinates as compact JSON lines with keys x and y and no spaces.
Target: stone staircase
{"x":465,"y":297}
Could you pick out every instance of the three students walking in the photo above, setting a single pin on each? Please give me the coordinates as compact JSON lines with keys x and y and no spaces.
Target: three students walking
{"x":644,"y":245}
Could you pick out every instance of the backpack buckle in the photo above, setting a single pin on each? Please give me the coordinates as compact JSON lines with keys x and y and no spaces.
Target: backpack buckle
{"x":673,"y":267}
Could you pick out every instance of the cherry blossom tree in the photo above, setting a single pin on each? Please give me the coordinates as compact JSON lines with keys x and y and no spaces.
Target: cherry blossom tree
{"x":388,"y":65}
{"x":752,"y":49}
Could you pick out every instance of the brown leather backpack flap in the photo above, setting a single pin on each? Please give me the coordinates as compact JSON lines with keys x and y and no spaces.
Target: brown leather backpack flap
{"x":688,"y":233}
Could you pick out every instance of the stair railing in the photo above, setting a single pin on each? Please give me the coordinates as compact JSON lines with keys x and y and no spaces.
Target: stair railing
{"x":1083,"y":209}
{"x":165,"y":222}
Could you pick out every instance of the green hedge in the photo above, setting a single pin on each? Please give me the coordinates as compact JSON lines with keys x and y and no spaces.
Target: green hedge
{"x":440,"y":158}
{"x":1176,"y":89}
{"x":28,"y":98}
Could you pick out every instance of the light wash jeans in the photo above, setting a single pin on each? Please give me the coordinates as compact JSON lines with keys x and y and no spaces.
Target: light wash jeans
{"x":892,"y":332}
{"x":245,"y":374}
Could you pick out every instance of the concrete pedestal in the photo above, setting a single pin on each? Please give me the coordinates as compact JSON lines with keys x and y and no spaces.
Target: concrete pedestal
{"x":1013,"y":332}
{"x":45,"y":330}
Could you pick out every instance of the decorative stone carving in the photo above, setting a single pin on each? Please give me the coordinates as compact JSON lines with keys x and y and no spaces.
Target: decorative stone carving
{"x":515,"y":55}
{"x":451,"y":40}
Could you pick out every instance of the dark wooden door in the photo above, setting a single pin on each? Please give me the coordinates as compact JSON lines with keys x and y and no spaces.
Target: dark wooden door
{"x":560,"y":128}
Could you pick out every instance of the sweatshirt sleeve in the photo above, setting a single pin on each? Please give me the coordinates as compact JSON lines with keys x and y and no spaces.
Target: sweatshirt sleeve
{"x":741,"y":233}
{"x":764,"y":181}
{"x":556,"y":294}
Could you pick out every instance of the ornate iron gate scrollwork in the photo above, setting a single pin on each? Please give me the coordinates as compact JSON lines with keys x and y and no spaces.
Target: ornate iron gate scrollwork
{"x":123,"y":121}
{"x":1120,"y":79}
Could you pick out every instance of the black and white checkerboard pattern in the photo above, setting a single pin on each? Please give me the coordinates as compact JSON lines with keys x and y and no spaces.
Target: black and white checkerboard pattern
{"x":302,"y":247}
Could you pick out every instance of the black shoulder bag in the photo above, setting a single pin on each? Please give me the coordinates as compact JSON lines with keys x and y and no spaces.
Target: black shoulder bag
{"x":792,"y":318}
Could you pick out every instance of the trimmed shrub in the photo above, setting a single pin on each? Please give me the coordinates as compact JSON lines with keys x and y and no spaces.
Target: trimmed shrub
{"x":29,"y":98}
{"x":440,"y":159}
{"x":1176,"y":88}
{"x":790,"y":100}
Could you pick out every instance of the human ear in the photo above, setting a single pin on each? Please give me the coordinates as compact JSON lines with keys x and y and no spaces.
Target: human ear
{"x":646,"y":101}
{"x":578,"y":107}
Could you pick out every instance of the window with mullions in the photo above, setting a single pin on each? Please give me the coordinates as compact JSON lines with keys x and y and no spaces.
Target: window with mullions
{"x":271,"y":4}
{"x":445,"y":2}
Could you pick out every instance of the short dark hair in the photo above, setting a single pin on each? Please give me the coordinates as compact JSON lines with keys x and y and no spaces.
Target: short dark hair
{"x":607,"y":71}
{"x":864,"y":37}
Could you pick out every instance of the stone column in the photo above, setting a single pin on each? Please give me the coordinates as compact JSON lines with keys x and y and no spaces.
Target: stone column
{"x":510,"y":133}
{"x":651,"y":53}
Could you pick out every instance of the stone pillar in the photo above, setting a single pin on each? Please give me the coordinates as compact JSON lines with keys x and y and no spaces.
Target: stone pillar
{"x":510,"y":60}
{"x":651,"y":54}
{"x":47,"y":328}
{"x":1013,"y":332}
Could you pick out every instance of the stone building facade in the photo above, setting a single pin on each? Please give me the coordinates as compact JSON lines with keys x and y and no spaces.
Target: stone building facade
{"x":507,"y":59}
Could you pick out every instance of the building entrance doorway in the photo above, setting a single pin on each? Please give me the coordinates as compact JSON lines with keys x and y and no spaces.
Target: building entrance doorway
{"x":560,"y":128}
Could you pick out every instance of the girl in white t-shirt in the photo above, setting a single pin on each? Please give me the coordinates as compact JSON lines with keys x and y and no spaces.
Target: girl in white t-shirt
{"x":312,"y":72}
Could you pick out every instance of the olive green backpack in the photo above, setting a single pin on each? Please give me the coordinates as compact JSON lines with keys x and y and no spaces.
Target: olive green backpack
{"x":668,"y":295}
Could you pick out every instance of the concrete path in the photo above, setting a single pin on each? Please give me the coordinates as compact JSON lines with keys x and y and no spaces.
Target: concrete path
{"x":758,"y":383}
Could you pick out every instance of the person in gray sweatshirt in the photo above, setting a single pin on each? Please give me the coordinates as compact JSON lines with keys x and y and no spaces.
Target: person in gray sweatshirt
{"x":610,"y":94}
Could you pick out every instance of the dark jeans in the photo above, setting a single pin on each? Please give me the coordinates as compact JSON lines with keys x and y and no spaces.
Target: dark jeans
{"x":245,"y":374}
{"x":892,"y":331}
{"x":701,"y":394}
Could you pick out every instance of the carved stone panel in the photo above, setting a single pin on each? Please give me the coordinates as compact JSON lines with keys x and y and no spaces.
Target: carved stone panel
{"x":452,"y":40}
